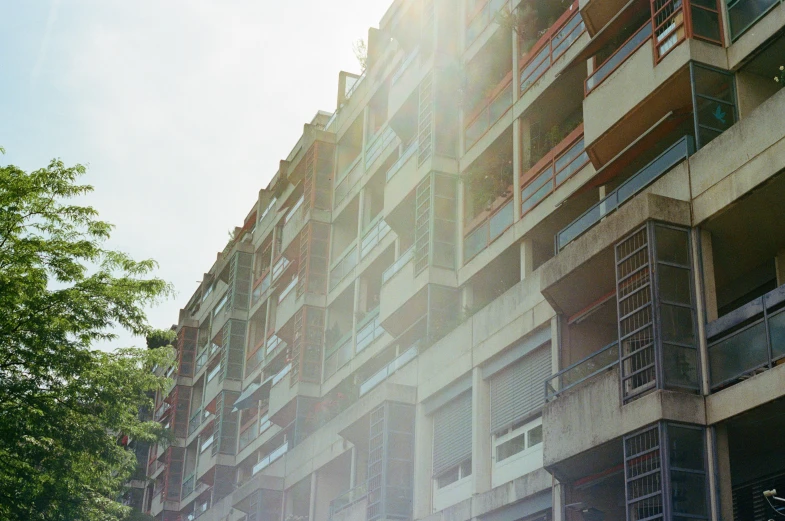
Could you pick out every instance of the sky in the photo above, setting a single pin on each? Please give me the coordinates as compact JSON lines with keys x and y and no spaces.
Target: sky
{"x":180,"y":109}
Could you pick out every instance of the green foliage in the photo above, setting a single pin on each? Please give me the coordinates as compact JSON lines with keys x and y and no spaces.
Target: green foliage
{"x":62,"y":403}
{"x":160,"y":338}
{"x":360,"y":50}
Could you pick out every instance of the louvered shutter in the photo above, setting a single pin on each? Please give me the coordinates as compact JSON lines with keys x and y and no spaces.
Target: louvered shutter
{"x":452,"y":433}
{"x":518,"y":390}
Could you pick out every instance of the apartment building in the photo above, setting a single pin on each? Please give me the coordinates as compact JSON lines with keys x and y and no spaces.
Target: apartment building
{"x":531,"y":268}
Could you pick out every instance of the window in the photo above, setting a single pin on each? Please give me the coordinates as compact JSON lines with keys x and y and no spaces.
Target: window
{"x":454,"y":474}
{"x":517,"y":439}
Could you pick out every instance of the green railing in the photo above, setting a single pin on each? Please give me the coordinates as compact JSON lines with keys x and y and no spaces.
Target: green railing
{"x":580,"y":372}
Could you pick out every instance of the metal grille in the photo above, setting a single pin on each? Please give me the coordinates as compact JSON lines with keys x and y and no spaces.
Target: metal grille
{"x":314,"y":248}
{"x":516,"y":391}
{"x":226,"y":423}
{"x":422,"y":225}
{"x":452,"y":433}
{"x":425,"y":134}
{"x":376,"y":444}
{"x":182,"y":404}
{"x":233,"y":350}
{"x":636,"y":315}
{"x":643,"y":475}
{"x":668,"y":20}
{"x":173,"y":479}
{"x":240,"y":281}
{"x":307,"y":345}
{"x":309,"y":179}
{"x":186,"y":350}
{"x":297,"y":346}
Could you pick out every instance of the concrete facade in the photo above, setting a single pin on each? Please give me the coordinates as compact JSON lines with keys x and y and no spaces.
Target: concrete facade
{"x":529,"y":268}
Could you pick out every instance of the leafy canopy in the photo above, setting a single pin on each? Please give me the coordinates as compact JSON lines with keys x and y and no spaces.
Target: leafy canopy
{"x":62,"y":403}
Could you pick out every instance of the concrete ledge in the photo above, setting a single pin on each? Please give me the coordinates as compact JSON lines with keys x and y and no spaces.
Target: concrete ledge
{"x":592,"y":414}
{"x":754,"y":392}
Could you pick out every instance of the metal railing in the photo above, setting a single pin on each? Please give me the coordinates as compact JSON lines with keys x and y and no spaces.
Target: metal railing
{"x":188,"y":485}
{"x":288,"y":289}
{"x":743,"y":14}
{"x":204,"y":445}
{"x":281,"y":374}
{"x":195,"y":421}
{"x":398,"y":265}
{"x":293,"y":222}
{"x":617,"y":58}
{"x":214,"y":372}
{"x":279,"y":267}
{"x":247,"y":435}
{"x":347,"y":180}
{"x":348,"y":498}
{"x":378,"y":143}
{"x":488,"y":112}
{"x":580,"y":372}
{"x":369,"y":329}
{"x":408,"y":152}
{"x":662,"y":164}
{"x":338,"y":354}
{"x":261,"y":287}
{"x":551,"y":46}
{"x":404,"y":65}
{"x":221,"y":304}
{"x":270,"y":458}
{"x":553,"y":169}
{"x":373,"y":236}
{"x":488,"y":230}
{"x":386,"y":371}
{"x":481,"y":18}
{"x":345,"y":264}
{"x":747,"y":340}
{"x":273,"y":342}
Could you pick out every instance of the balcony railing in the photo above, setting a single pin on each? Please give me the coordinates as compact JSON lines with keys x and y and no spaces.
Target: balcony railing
{"x":378,"y":144}
{"x":489,"y":112}
{"x":348,"y":498}
{"x":221,"y":304}
{"x":260,"y":287}
{"x":247,"y":435}
{"x":404,"y":65}
{"x":386,"y":371}
{"x":349,"y":179}
{"x":281,"y":374}
{"x":556,"y":167}
{"x":255,"y":360}
{"x":288,"y":289}
{"x":482,"y":17}
{"x":674,"y":155}
{"x":272,"y":343}
{"x":551,"y":46}
{"x":207,"y":443}
{"x":280,"y":266}
{"x":338,"y":354}
{"x":293,"y":222}
{"x":488,"y":230}
{"x":748,"y":340}
{"x":398,"y":265}
{"x":373,"y":236}
{"x":188,"y":485}
{"x":409,"y":151}
{"x":617,"y":58}
{"x":212,"y":374}
{"x":195,"y":421}
{"x":201,"y":360}
{"x":743,"y":14}
{"x":346,"y":263}
{"x":270,"y":458}
{"x":369,"y":329}
{"x":580,"y":372}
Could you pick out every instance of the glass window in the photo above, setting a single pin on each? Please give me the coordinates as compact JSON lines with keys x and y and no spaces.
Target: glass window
{"x":681,"y":366}
{"x":672,"y":245}
{"x":511,"y":447}
{"x":535,"y":436}
{"x":675,"y":284}
{"x":676,"y":324}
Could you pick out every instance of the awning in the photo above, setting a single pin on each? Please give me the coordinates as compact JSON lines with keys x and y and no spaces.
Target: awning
{"x":252,"y":394}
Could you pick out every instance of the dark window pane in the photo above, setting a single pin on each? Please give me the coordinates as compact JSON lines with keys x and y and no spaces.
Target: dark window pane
{"x":706,"y":24}
{"x":737,"y":354}
{"x":686,"y":447}
{"x":681,"y":366}
{"x":677,"y":324}
{"x":777,"y":328}
{"x":511,"y":447}
{"x":688,"y":493}
{"x":675,"y":284}
{"x":672,"y":245}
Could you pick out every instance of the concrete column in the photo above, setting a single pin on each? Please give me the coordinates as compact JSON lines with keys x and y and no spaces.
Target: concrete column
{"x":527,"y":258}
{"x":558,"y":494}
{"x":779,"y":264}
{"x":312,"y":498}
{"x":709,"y":284}
{"x":352,"y":468}
{"x":366,"y":118}
{"x":722,"y":474}
{"x":355,"y":309}
{"x":461,"y":197}
{"x":516,"y":89}
{"x":467,"y":297}
{"x":481,"y":433}
{"x":516,"y":168}
{"x":700,"y":309}
{"x":555,"y":344}
{"x":423,"y":471}
{"x":525,"y":143}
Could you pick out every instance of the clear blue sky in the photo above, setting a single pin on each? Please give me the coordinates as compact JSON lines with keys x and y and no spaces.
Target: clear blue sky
{"x":180,"y":108}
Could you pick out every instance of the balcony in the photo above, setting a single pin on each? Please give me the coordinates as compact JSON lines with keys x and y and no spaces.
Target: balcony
{"x":369,"y":329}
{"x":287,"y":304}
{"x":743,"y":14}
{"x":280,"y":266}
{"x":388,"y":370}
{"x":195,"y":421}
{"x":270,"y":458}
{"x":408,"y":152}
{"x":490,"y":226}
{"x":293,"y":223}
{"x":373,"y":235}
{"x":272,"y":345}
{"x":479,"y":19}
{"x":346,"y":181}
{"x":399,"y":263}
{"x":550,"y":47}
{"x":378,"y":144}
{"x":351,"y":505}
{"x":615,"y":60}
{"x":346,"y":262}
{"x":662,"y":164}
{"x":261,"y":286}
{"x":583,"y":371}
{"x":553,"y":169}
{"x":747,"y":341}
{"x":489,"y":111}
{"x":337,"y":355}
{"x":221,"y":305}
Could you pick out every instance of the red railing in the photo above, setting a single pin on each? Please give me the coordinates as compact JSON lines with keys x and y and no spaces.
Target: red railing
{"x":488,"y":226}
{"x":481,"y":17}
{"x":489,"y":111}
{"x":551,"y":46}
{"x":553,"y":169}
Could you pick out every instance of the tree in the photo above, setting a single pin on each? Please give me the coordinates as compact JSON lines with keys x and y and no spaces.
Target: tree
{"x":62,"y":403}
{"x":360,"y":49}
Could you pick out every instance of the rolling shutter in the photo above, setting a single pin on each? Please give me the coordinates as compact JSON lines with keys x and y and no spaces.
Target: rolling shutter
{"x":452,"y":434}
{"x":518,"y":390}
